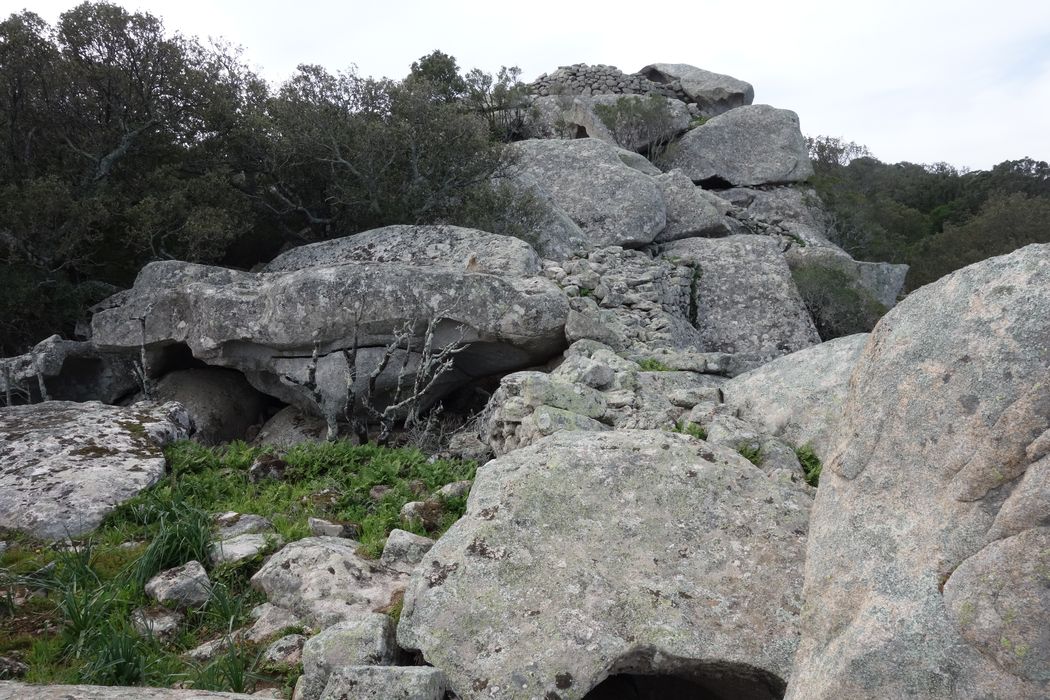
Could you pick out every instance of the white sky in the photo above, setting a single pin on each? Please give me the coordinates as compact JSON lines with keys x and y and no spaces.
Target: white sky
{"x":962,"y":81}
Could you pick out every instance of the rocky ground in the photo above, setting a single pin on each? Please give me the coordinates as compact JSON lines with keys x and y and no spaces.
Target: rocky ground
{"x":680,"y":491}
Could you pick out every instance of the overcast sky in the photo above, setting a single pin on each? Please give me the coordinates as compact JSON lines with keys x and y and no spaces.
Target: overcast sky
{"x":962,"y":81}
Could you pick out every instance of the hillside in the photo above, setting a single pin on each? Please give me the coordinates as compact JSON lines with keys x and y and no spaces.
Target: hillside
{"x":608,"y":385}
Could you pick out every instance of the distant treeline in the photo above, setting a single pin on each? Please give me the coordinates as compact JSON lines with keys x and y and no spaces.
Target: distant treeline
{"x":935,"y":218}
{"x":121,"y":143}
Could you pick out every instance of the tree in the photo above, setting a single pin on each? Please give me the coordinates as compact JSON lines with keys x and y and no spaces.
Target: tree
{"x":114,"y":142}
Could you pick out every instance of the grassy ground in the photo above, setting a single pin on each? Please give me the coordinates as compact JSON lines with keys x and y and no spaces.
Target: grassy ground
{"x":66,"y":612}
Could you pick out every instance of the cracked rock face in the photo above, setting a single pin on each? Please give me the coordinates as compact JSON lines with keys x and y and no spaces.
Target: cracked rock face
{"x":268,"y":325}
{"x":927,"y":571}
{"x":746,"y":301}
{"x":591,"y":553}
{"x":64,"y":466}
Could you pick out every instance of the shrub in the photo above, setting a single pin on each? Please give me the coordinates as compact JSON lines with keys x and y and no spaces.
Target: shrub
{"x":639,"y":124}
{"x":691,"y":429}
{"x":752,"y":453}
{"x":837,"y":303}
{"x":651,"y":364}
{"x":810,"y":462}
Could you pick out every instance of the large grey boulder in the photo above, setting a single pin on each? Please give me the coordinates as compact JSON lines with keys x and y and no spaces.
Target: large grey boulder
{"x":745,"y":299}
{"x":67,"y":370}
{"x":585,"y":179}
{"x":752,"y":145}
{"x":221,"y":402}
{"x":454,"y":247}
{"x":186,"y":586}
{"x":64,"y":466}
{"x":10,"y":690}
{"x":324,"y":580}
{"x":927,"y":567}
{"x":288,"y":330}
{"x":691,"y":211}
{"x":713,"y":93}
{"x":799,"y":397}
{"x":590,"y":553}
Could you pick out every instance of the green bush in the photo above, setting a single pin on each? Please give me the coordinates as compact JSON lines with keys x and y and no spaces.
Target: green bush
{"x":636,"y":123}
{"x":838,"y":305}
{"x":811,"y":465}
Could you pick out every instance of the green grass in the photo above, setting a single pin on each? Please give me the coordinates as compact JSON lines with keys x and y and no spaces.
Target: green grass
{"x":691,"y":429}
{"x":751,"y":453}
{"x":650,"y":364}
{"x":77,"y":628}
{"x":810,"y":462}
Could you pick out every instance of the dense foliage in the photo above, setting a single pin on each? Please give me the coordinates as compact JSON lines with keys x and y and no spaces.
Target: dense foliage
{"x":121,"y":143}
{"x":935,"y":218}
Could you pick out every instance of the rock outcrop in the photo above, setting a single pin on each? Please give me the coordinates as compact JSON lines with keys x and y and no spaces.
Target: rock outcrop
{"x":746,"y":146}
{"x":713,"y":93}
{"x":926,"y":573}
{"x":745,"y":299}
{"x":221,"y":403}
{"x":20,"y":691}
{"x":585,"y":180}
{"x":799,"y":397}
{"x":64,"y":466}
{"x":287,"y":331}
{"x":580,"y":117}
{"x":66,"y":370}
{"x":591,"y":554}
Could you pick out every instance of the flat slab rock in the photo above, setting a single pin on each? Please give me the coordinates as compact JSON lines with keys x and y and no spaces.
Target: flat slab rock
{"x":590,"y":553}
{"x":23,"y":691}
{"x":64,"y":466}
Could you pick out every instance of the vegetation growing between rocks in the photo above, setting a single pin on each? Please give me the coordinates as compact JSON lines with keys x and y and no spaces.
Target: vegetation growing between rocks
{"x":66,"y":612}
{"x":810,"y":462}
{"x":837,"y":303}
{"x":639,"y":120}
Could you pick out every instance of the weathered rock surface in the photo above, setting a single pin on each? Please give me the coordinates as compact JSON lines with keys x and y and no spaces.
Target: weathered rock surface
{"x":270,"y":620}
{"x":185,"y":586}
{"x":713,"y":93}
{"x":64,"y":466}
{"x":268,"y":325}
{"x":404,"y":550}
{"x":21,"y":691}
{"x":241,"y":547}
{"x":593,"y":552}
{"x":691,"y":211}
{"x":926,"y":573}
{"x":363,"y":640}
{"x":453,"y":247}
{"x":221,"y":402}
{"x":750,"y":145}
{"x":325,"y":581}
{"x":69,"y":370}
{"x":745,"y":299}
{"x":284,"y":653}
{"x":385,"y":683}
{"x":626,"y":299}
{"x":611,"y":203}
{"x":799,"y":397}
